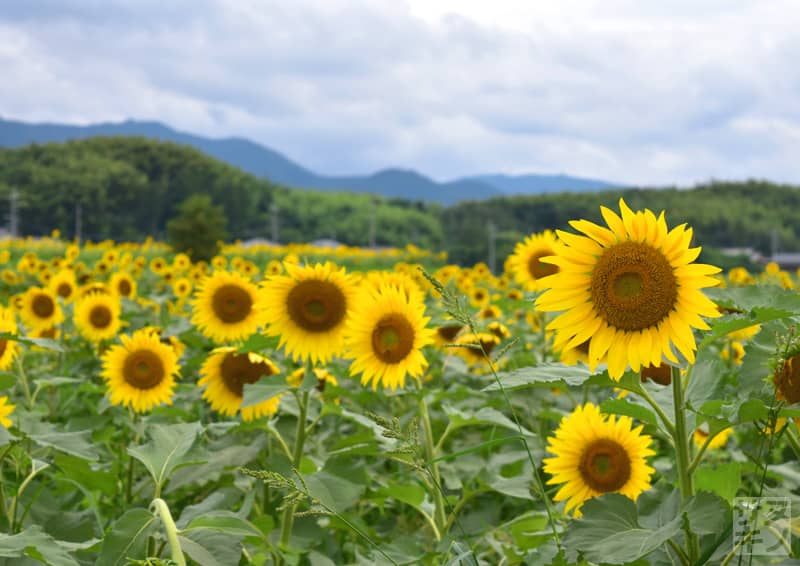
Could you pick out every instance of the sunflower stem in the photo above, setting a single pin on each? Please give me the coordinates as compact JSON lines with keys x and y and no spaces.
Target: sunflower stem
{"x":791,"y":436}
{"x":430,"y":455}
{"x":160,"y":507}
{"x":682,"y":456}
{"x":299,"y":442}
{"x":668,"y":424}
{"x":23,"y":380}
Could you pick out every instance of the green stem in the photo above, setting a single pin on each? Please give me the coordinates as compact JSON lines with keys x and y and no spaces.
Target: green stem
{"x":682,"y":456}
{"x":299,"y":442}
{"x":668,"y":424}
{"x":791,"y":436}
{"x":13,"y":512}
{"x":430,"y":454}
{"x":160,"y":506}
{"x":699,"y":456}
{"x":23,"y":380}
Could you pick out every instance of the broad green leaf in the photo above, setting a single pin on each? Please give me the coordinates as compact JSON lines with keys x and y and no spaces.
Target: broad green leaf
{"x":46,"y":343}
{"x":332,"y":491}
{"x":211,"y":548}
{"x":223,"y":498}
{"x":79,"y":471}
{"x":624,"y":407}
{"x":170,"y":447}
{"x":35,"y":543}
{"x":707,"y":513}
{"x":128,"y":538}
{"x":225,"y":522}
{"x":259,"y":343}
{"x":263,"y":390}
{"x":484,"y":416}
{"x":541,"y":374}
{"x":76,"y":443}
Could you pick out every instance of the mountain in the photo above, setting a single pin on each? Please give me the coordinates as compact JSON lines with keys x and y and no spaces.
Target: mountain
{"x":265,"y":162}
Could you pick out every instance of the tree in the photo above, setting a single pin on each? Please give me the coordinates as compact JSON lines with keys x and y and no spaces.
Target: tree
{"x":198,"y":228}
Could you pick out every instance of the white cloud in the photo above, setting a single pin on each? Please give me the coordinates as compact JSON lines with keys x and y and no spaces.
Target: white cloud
{"x":639,"y":92}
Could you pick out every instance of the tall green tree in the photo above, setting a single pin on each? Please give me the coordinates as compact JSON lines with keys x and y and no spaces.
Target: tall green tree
{"x":198,"y":228}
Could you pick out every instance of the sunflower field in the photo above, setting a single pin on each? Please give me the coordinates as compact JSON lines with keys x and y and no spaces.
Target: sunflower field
{"x":606,"y":399}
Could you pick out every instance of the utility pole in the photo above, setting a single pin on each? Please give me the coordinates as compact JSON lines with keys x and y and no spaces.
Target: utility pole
{"x":13,"y":213}
{"x":273,"y":209}
{"x":78,"y":222}
{"x":773,"y":243}
{"x":492,"y":232}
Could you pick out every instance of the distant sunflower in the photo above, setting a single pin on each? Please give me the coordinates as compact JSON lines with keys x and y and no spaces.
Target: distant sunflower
{"x":224,"y":374}
{"x":446,"y":333}
{"x":182,"y":287}
{"x":479,"y":297}
{"x":385,"y":336}
{"x":720,"y":439}
{"x":526,"y":262}
{"x":6,"y":409}
{"x":97,"y":316}
{"x":123,"y":285}
{"x":64,"y":284}
{"x":631,"y":289}
{"x":8,"y":348}
{"x":499,"y":329}
{"x":308,"y":309}
{"x":596,"y":454}
{"x":40,"y":308}
{"x":140,"y":373}
{"x":490,"y":311}
{"x":471,"y":344}
{"x":224,"y":307}
{"x":324,"y":377}
{"x":377,"y":279}
{"x":787,"y":380}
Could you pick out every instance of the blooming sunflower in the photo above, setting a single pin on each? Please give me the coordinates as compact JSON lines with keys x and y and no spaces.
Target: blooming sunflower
{"x":224,"y":374}
{"x":97,"y":316}
{"x":40,"y":308}
{"x":224,"y":307}
{"x":140,"y":373}
{"x":385,"y":336}
{"x":596,"y":454}
{"x":123,"y":285}
{"x":6,"y":409}
{"x":447,"y":333}
{"x":470,"y":352}
{"x":525,"y":263}
{"x":64,"y":284}
{"x":308,"y":309}
{"x":8,"y":348}
{"x":631,"y":288}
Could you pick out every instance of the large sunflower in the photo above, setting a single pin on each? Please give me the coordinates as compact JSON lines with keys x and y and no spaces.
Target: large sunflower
{"x":224,"y":307}
{"x":40,"y":308}
{"x":97,"y":316}
{"x":525,"y":263}
{"x":385,"y":336}
{"x":224,"y":374}
{"x":140,"y":372}
{"x":308,"y":309}
{"x":632,"y":289}
{"x":596,"y":454}
{"x":8,"y":348}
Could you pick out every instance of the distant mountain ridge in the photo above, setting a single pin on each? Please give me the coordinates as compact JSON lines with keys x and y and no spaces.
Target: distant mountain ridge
{"x":265,"y":162}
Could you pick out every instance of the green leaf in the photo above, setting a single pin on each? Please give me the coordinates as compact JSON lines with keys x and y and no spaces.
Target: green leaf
{"x":259,"y":343}
{"x":79,"y":471}
{"x":623,"y":407}
{"x":707,"y":513}
{"x":211,"y":548}
{"x":127,"y":538}
{"x":76,"y":443}
{"x":223,"y":521}
{"x":724,"y":479}
{"x":543,"y":373}
{"x":484,"y":416}
{"x":262,"y":390}
{"x":35,"y":543}
{"x":333,"y":491}
{"x":46,"y":343}
{"x":170,"y":447}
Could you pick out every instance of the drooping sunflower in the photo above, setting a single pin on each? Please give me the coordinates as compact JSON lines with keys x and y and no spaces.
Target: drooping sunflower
{"x":123,"y":285}
{"x":64,"y":284}
{"x":596,"y":454}
{"x":8,"y":348}
{"x":632,"y":289}
{"x":385,"y":336}
{"x":97,"y":316}
{"x":308,"y":309}
{"x":40,"y":308}
{"x":525,"y":263}
{"x":140,"y":372}
{"x":6,"y":409}
{"x":224,"y":374}
{"x":224,"y":307}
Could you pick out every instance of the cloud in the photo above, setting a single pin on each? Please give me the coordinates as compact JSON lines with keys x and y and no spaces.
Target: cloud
{"x":650,"y":93}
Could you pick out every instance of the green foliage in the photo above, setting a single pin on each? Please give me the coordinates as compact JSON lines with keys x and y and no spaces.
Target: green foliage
{"x":198,"y":228}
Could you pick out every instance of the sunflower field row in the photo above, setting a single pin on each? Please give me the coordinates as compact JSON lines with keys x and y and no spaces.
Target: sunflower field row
{"x":606,"y":399}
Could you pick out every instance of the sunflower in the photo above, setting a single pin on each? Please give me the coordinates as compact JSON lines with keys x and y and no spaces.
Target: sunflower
{"x":631,"y":289}
{"x":182,"y":287}
{"x":219,"y":262}
{"x":720,"y":439}
{"x":308,"y":309}
{"x":447,"y":333}
{"x":377,"y":279}
{"x":8,"y":348}
{"x":64,"y":284}
{"x":224,"y":374}
{"x":224,"y":307}
{"x":526,"y":262}
{"x":6,"y":409}
{"x":489,"y":312}
{"x":596,"y":454}
{"x":123,"y":285}
{"x":40,"y":308}
{"x":470,"y":350}
{"x":140,"y":373}
{"x":499,"y":329}
{"x":97,"y":316}
{"x":787,"y":380}
{"x":157,"y":265}
{"x":385,"y":336}
{"x":324,"y":377}
{"x":274,"y":267}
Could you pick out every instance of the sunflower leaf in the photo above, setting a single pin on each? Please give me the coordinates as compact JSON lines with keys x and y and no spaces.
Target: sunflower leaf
{"x":263,"y":390}
{"x":34,"y":542}
{"x":543,"y":373}
{"x":127,"y":539}
{"x":170,"y":447}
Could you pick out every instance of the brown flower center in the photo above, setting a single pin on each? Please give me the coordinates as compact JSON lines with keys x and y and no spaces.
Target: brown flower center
{"x":661,"y":374}
{"x":539,"y":269}
{"x":231,"y":303}
{"x":787,"y":380}
{"x":143,"y":369}
{"x":124,"y":287}
{"x":448,"y":333}
{"x":43,"y":306}
{"x":605,"y":465}
{"x":100,"y":316}
{"x":64,"y":290}
{"x":392,"y":338}
{"x":237,"y":369}
{"x":316,"y":306}
{"x":633,"y":286}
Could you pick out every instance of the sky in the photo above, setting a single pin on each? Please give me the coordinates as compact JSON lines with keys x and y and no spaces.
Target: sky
{"x":646,"y":93}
